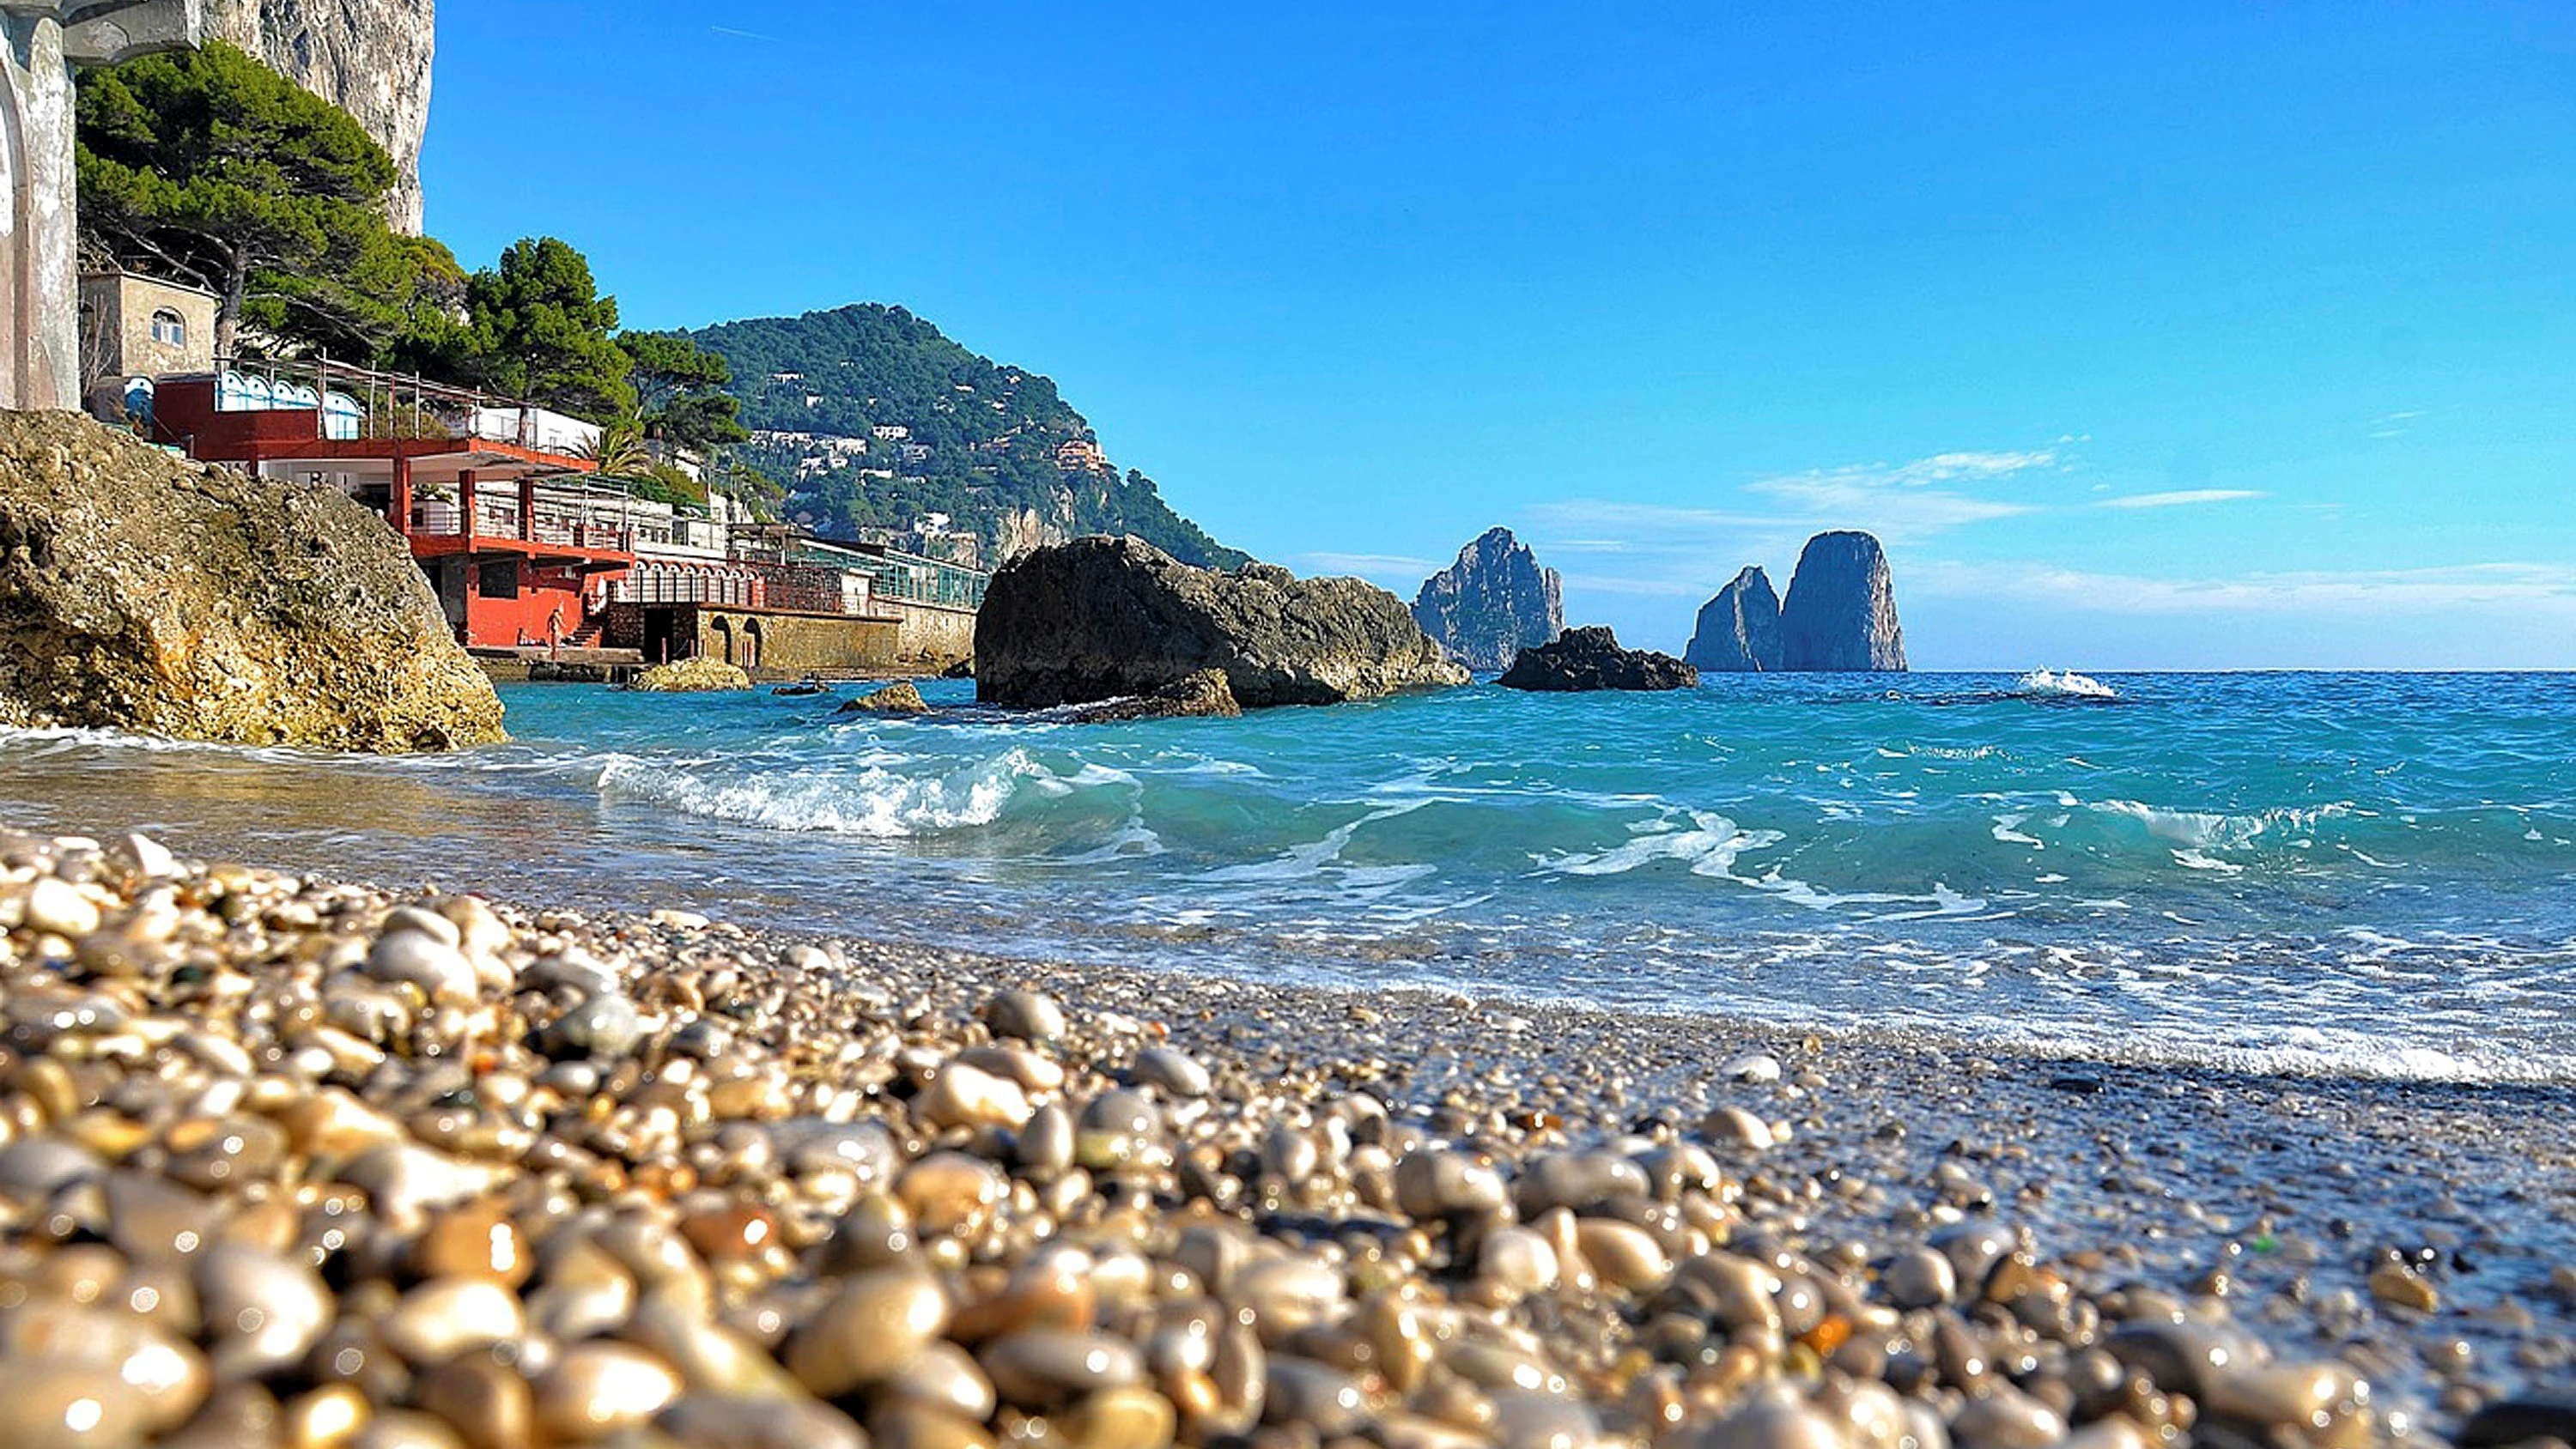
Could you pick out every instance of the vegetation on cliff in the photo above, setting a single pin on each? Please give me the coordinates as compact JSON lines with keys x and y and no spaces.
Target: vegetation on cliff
{"x":919,"y":425}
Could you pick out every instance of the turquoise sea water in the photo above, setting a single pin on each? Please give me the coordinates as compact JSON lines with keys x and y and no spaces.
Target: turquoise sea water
{"x":2343,"y":873}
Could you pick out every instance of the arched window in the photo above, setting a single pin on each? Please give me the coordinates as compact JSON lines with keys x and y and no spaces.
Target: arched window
{"x":169,"y":327}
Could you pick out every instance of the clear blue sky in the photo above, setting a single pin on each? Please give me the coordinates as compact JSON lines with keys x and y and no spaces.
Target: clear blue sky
{"x":2207,"y":335}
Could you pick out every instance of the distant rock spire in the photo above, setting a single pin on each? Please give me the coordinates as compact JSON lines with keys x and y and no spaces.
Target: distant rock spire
{"x":1739,"y":630}
{"x":1494,"y":602}
{"x":1841,"y":612}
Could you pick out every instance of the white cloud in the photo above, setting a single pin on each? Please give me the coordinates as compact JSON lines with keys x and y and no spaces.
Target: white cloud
{"x":2524,"y":587}
{"x":2181,"y":498}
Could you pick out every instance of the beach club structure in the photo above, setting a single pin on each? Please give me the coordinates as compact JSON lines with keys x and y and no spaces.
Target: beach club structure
{"x":535,"y":558}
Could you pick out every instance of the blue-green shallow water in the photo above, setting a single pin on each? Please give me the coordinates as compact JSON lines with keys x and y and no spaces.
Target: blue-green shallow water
{"x":2342,"y":873}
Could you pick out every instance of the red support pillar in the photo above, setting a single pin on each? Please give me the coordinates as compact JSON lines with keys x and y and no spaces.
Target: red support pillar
{"x":528,"y":508}
{"x":398,"y":507}
{"x":465,"y":505}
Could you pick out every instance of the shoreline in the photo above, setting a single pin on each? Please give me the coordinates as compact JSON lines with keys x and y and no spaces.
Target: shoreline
{"x":2181,"y":1200}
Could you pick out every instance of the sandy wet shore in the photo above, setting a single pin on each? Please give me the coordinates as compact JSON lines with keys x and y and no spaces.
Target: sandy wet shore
{"x":288,"y":1161}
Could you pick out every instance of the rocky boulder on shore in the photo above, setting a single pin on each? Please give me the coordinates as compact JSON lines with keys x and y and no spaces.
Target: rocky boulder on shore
{"x":1739,"y":630}
{"x":1100,"y":618}
{"x":1589,"y":659}
{"x":1841,"y":612}
{"x":1494,"y":602}
{"x":142,"y":591}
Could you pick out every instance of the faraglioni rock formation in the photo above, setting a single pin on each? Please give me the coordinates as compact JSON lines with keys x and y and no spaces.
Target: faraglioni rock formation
{"x":1841,"y":612}
{"x":370,"y":58}
{"x":1100,"y":617}
{"x":1494,"y":602}
{"x":1739,"y":630}
{"x":1589,"y":659}
{"x":141,"y":591}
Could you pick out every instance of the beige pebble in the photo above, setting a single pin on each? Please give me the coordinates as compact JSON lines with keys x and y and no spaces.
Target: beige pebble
{"x":873,"y":1325}
{"x":443,"y":1318}
{"x":599,"y":1387}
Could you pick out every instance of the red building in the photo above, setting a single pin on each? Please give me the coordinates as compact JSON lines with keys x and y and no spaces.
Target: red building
{"x":513,"y":537}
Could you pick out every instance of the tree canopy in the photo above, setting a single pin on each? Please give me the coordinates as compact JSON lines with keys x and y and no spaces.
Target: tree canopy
{"x":539,"y":329}
{"x":208,"y":167}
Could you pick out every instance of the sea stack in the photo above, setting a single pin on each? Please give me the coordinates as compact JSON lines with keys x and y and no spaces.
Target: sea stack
{"x":1494,"y":602}
{"x":1841,"y":614}
{"x":1739,"y":630}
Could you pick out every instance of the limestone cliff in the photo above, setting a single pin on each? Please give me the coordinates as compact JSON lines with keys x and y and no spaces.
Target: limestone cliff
{"x":1739,"y":630}
{"x":141,"y":591}
{"x":1841,"y":613}
{"x":1494,"y":602}
{"x":370,"y":58}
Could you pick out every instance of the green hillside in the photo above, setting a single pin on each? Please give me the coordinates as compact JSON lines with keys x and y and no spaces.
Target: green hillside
{"x":874,"y":419}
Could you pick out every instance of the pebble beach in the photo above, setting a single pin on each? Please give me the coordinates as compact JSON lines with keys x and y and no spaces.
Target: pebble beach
{"x":289,"y":1161}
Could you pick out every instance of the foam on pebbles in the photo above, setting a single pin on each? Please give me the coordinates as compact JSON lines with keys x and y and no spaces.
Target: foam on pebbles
{"x":296,"y":1163}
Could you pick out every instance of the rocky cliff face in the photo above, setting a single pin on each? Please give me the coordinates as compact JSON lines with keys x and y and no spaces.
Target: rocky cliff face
{"x":1494,"y":602}
{"x":1739,"y":630}
{"x":370,"y":58}
{"x":1841,"y":613}
{"x":140,"y":591}
{"x":1099,"y":618}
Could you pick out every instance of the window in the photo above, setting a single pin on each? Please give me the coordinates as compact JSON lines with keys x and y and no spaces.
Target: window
{"x":169,"y":327}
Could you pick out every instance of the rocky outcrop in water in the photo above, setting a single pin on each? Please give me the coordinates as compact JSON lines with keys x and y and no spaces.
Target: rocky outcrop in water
{"x":1739,"y":630}
{"x":1204,"y":695}
{"x":898,"y":698}
{"x":1590,"y":659}
{"x":699,"y":675}
{"x":1841,"y":612}
{"x":370,"y":58}
{"x":140,"y":591}
{"x":1098,"y":618}
{"x":1494,"y":602}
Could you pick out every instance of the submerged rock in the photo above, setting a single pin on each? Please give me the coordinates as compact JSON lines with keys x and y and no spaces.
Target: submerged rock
{"x":1589,"y":659}
{"x":1841,"y":612}
{"x":141,"y":591}
{"x":1101,"y":617}
{"x":1739,"y":630}
{"x":1204,"y":695}
{"x":1494,"y":602}
{"x":900,"y":698}
{"x":692,"y":676}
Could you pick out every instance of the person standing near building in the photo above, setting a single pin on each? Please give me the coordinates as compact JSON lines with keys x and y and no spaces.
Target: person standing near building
{"x":554,"y":633}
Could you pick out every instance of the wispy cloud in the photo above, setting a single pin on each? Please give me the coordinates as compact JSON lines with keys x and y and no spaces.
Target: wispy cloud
{"x":2392,"y":425}
{"x":2180,"y":498}
{"x":746,"y":35}
{"x":2533,"y":588}
{"x":1375,"y":567}
{"x":1904,"y":501}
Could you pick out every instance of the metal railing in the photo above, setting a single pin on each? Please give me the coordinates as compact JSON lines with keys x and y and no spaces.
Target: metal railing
{"x":399,"y":405}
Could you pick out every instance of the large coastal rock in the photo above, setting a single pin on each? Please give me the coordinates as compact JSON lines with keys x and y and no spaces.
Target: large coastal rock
{"x":370,"y":58}
{"x":140,"y":591}
{"x":1589,"y":659}
{"x":1101,"y":617}
{"x":1841,"y":613}
{"x":1739,"y":630}
{"x":1494,"y":602}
